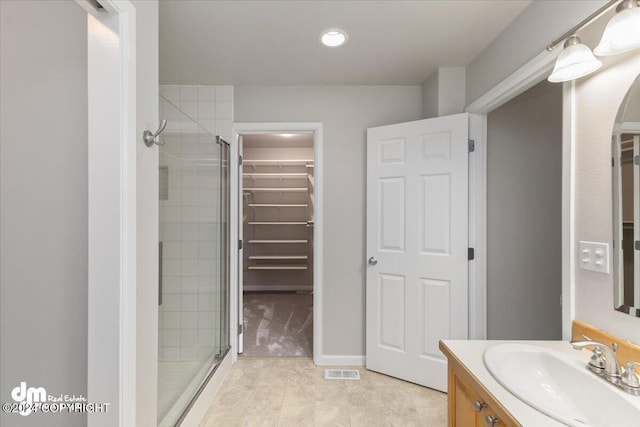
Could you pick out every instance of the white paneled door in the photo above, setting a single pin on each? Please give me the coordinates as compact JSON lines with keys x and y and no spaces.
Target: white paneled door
{"x":417,"y":234}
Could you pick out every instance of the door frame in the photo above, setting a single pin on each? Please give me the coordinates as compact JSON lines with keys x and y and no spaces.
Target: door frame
{"x":527,"y":76}
{"x":112,"y":246}
{"x":280,"y":127}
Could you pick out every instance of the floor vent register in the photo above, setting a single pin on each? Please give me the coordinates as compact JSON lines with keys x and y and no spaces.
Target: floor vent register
{"x":341,"y":374}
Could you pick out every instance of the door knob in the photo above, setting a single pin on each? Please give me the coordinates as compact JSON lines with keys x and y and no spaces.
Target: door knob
{"x":373,"y":261}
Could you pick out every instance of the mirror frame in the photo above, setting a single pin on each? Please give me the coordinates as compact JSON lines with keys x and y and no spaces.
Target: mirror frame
{"x":620,"y":127}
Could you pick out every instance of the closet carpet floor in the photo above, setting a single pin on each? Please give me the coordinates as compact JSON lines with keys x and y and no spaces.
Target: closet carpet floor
{"x":292,"y":392}
{"x":278,"y":324}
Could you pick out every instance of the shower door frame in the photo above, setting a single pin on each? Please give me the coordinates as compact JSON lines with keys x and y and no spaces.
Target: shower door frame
{"x":236,"y":264}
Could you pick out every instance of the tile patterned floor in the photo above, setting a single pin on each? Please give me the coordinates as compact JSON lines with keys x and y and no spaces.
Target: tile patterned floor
{"x":292,"y":392}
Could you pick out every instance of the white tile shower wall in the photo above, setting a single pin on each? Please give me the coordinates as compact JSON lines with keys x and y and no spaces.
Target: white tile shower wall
{"x":189,"y":222}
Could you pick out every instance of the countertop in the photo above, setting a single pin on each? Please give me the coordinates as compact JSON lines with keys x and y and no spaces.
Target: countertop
{"x":470,"y":354}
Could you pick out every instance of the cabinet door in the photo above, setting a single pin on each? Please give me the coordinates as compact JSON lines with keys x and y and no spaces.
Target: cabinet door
{"x":470,"y":410}
{"x":469,"y":404}
{"x":465,"y":414}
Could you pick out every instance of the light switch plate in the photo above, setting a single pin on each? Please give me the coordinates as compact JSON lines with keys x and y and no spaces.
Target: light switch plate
{"x":594,"y":256}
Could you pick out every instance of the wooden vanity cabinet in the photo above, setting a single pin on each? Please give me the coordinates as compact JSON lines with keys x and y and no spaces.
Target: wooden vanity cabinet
{"x":469,"y":403}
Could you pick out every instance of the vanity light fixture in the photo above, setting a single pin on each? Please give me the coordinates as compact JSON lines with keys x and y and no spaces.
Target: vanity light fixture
{"x":333,"y":37}
{"x":622,"y":33}
{"x":575,"y":61}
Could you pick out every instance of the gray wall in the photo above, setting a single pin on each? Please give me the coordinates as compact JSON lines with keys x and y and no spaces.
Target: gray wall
{"x":527,"y":36}
{"x":598,"y":97}
{"x":444,"y":92}
{"x":524,"y":195}
{"x":43,"y":203}
{"x":346,"y":112}
{"x":430,"y":96}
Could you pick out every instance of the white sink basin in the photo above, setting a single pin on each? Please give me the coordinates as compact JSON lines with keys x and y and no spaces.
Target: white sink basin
{"x":560,"y":386}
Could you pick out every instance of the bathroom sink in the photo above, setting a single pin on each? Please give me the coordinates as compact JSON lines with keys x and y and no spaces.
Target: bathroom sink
{"x":560,"y":386}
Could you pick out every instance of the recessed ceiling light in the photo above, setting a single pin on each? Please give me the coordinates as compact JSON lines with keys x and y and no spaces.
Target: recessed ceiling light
{"x":333,"y":37}
{"x":286,"y":135}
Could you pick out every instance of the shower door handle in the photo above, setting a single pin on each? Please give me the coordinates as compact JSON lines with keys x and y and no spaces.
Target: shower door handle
{"x":372,"y":261}
{"x":159,"y":273}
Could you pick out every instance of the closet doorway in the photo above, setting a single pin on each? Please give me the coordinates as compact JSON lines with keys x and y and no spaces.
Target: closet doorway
{"x":276,"y":226}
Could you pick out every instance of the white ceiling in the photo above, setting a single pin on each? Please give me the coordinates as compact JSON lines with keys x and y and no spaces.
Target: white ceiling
{"x":276,"y":42}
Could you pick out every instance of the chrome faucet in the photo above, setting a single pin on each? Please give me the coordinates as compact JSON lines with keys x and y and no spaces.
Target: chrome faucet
{"x":603,"y":362}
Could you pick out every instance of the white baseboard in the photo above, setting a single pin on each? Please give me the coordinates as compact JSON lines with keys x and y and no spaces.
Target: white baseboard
{"x":201,"y":405}
{"x":340,"y":360}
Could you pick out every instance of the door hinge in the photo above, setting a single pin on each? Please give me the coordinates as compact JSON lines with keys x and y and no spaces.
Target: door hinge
{"x":240,"y":160}
{"x":637,"y":245}
{"x":471,"y":254}
{"x":637,"y":160}
{"x":240,"y":329}
{"x":240,"y":244}
{"x":472,"y":146}
{"x":613,"y":162}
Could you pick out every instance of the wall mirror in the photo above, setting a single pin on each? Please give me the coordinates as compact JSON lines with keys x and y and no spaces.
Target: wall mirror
{"x":626,"y":203}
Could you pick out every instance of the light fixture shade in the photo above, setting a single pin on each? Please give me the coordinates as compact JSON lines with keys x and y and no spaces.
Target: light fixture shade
{"x":621,"y":34}
{"x":575,"y":61}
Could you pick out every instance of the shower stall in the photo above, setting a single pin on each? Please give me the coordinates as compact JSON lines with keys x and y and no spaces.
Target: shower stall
{"x":193,"y":297}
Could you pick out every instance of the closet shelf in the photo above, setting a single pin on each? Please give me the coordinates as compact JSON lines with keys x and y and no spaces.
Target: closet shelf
{"x":294,"y":175}
{"x":277,"y":223}
{"x":276,"y":245}
{"x":278,"y":205}
{"x":291,"y":162}
{"x":277,"y":241}
{"x":274,"y":257}
{"x":277,"y":267}
{"x":278,"y":189}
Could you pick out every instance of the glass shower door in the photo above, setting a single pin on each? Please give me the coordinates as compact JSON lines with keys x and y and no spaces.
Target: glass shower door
{"x":194,"y":255}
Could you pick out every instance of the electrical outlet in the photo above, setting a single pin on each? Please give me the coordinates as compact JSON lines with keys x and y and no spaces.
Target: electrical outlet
{"x":594,"y":256}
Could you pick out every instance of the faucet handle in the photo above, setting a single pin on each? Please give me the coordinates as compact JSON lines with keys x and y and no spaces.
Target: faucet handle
{"x":597,"y":362}
{"x":629,"y":377}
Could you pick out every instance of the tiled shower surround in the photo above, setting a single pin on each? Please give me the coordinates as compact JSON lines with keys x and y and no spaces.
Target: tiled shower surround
{"x":189,"y":317}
